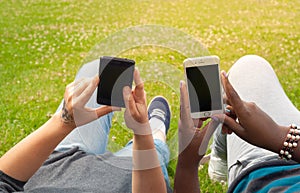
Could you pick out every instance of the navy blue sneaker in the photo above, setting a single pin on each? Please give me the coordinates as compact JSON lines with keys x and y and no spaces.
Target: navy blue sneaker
{"x":160,"y":109}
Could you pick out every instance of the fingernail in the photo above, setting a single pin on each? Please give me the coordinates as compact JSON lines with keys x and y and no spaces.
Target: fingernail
{"x":96,"y":80}
{"x":225,"y":74}
{"x":228,"y":111}
{"x":215,"y":119}
{"x":181,"y":83}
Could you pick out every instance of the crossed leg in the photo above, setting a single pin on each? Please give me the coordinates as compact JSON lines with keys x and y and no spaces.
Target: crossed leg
{"x":254,"y":80}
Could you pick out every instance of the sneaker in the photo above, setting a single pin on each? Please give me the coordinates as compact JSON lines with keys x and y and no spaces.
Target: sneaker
{"x":160,"y":109}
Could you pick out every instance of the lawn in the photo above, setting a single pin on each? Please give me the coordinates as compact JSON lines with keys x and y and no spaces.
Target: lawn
{"x":44,"y":43}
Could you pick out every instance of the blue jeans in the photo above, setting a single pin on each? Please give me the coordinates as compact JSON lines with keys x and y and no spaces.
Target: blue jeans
{"x":93,"y":137}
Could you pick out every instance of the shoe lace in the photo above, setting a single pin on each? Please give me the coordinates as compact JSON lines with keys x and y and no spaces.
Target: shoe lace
{"x":158,"y":112}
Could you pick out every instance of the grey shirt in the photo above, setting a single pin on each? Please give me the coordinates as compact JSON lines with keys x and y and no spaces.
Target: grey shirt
{"x":76,"y":171}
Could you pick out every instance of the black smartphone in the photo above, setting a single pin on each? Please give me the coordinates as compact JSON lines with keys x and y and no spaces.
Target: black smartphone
{"x":114,"y":73}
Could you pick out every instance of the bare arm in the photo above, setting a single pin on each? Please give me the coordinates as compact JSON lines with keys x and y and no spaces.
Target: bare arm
{"x":186,"y":177}
{"x":25,"y":158}
{"x":147,"y":176}
{"x":193,"y":143}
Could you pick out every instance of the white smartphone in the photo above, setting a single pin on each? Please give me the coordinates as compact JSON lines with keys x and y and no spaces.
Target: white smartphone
{"x":204,"y":86}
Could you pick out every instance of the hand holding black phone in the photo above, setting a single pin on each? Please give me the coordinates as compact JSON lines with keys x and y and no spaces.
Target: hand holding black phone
{"x":114,"y":73}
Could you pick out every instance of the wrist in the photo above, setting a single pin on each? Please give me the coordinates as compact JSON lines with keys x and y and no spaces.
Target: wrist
{"x":188,"y":163}
{"x":66,"y":116}
{"x":142,"y":129}
{"x":290,"y":143}
{"x":64,"y":125}
{"x":282,"y":133}
{"x":143,"y":142}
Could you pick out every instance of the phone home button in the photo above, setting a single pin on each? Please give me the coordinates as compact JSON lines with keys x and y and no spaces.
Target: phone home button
{"x":206,"y":114}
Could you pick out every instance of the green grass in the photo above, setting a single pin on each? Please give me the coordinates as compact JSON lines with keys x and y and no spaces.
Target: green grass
{"x":44,"y":43}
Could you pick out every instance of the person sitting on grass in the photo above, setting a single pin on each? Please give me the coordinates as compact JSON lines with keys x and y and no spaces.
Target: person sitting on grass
{"x":261,"y":151}
{"x":68,"y":153}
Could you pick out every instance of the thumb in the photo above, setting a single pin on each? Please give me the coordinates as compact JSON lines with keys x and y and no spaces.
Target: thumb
{"x":185,"y":113}
{"x":210,"y":128}
{"x":231,"y":123}
{"x":103,"y":110}
{"x":126,"y":95}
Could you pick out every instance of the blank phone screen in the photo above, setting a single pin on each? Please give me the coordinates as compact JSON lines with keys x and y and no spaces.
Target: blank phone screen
{"x":114,"y":76}
{"x":204,"y":88}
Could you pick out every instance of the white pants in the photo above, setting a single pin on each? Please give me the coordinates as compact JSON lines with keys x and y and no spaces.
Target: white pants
{"x":255,"y":81}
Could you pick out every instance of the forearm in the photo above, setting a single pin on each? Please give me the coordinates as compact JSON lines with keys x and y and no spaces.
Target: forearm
{"x":186,"y":177}
{"x":275,"y":142}
{"x":147,"y":175}
{"x":25,"y":158}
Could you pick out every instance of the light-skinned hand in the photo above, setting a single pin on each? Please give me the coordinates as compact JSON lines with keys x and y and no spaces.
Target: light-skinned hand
{"x":136,"y":113}
{"x":76,"y":96}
